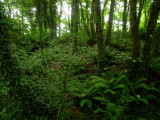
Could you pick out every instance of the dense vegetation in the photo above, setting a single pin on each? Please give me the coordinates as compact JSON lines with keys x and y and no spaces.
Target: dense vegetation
{"x":57,"y":65}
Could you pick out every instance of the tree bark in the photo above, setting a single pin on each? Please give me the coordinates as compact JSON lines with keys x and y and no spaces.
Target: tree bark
{"x":156,"y":42}
{"x":135,"y":40}
{"x":53,"y":13}
{"x":60,"y":15}
{"x":150,"y":31}
{"x":125,"y":16}
{"x":134,"y":30}
{"x":83,"y":20}
{"x":92,"y":24}
{"x":99,"y":36}
{"x":74,"y":23}
{"x":45,"y":21}
{"x":110,"y":21}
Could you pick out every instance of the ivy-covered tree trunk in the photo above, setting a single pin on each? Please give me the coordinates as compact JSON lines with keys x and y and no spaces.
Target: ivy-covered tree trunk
{"x":110,"y":21}
{"x":125,"y":16}
{"x":39,"y":14}
{"x":9,"y":71}
{"x":60,"y":15}
{"x":74,"y":23}
{"x":135,"y":39}
{"x":53,"y":16}
{"x":84,"y":20}
{"x":156,"y":42}
{"x":150,"y":31}
{"x":92,"y":23}
{"x":87,"y":4}
{"x":45,"y":13}
{"x":99,"y":36}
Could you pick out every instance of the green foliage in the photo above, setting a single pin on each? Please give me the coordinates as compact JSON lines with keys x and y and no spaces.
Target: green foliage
{"x":113,"y":97}
{"x":155,"y":65}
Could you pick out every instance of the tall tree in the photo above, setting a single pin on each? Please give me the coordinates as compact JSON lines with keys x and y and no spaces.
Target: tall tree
{"x":39,"y":15}
{"x":141,"y":4}
{"x":92,"y":23}
{"x":105,"y":3}
{"x":84,"y":20}
{"x":53,"y":18}
{"x":156,"y":42}
{"x":150,"y":31}
{"x":125,"y":16}
{"x":45,"y":13}
{"x":134,"y":37}
{"x":60,"y":15}
{"x":74,"y":23}
{"x":99,"y":35}
{"x":110,"y":21}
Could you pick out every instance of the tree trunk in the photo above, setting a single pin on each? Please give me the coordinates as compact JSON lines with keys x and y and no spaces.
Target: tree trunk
{"x":99,"y":36}
{"x":110,"y":21}
{"x":83,"y":20}
{"x":74,"y":23}
{"x":156,"y":42}
{"x":125,"y":16}
{"x":140,"y":10}
{"x":150,"y":31}
{"x":105,"y":3}
{"x":60,"y":15}
{"x":44,"y":2}
{"x":87,"y":2}
{"x":135,"y":40}
{"x":92,"y":24}
{"x":9,"y":8}
{"x":53,"y":24}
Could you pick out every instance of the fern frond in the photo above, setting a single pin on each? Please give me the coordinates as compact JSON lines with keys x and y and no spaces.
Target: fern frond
{"x":110,"y":91}
{"x":143,"y":100}
{"x":140,"y":81}
{"x":101,"y":99}
{"x":142,"y":85}
{"x":86,"y":101}
{"x":119,"y":86}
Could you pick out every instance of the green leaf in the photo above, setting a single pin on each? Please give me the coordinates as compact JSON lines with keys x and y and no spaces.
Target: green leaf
{"x":86,"y":101}
{"x":99,"y":110}
{"x":119,"y":86}
{"x":142,"y":85}
{"x":101,"y":85}
{"x":101,"y":99}
{"x":110,"y":91}
{"x":140,"y":80}
{"x":143,"y":100}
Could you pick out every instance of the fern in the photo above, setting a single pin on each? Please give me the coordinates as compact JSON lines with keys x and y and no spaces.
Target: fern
{"x":86,"y":101}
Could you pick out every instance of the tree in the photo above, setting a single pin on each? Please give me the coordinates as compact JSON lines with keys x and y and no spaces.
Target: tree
{"x":99,"y":35}
{"x":110,"y":21}
{"x":92,"y":20}
{"x":60,"y":14}
{"x":156,"y":42}
{"x":85,"y":24}
{"x":105,"y":3}
{"x":134,"y":37}
{"x":74,"y":23}
{"x":150,"y":31}
{"x":125,"y":16}
{"x":53,"y":18}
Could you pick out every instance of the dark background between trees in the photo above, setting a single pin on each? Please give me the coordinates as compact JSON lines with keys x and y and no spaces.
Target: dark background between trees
{"x":80,"y":59}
